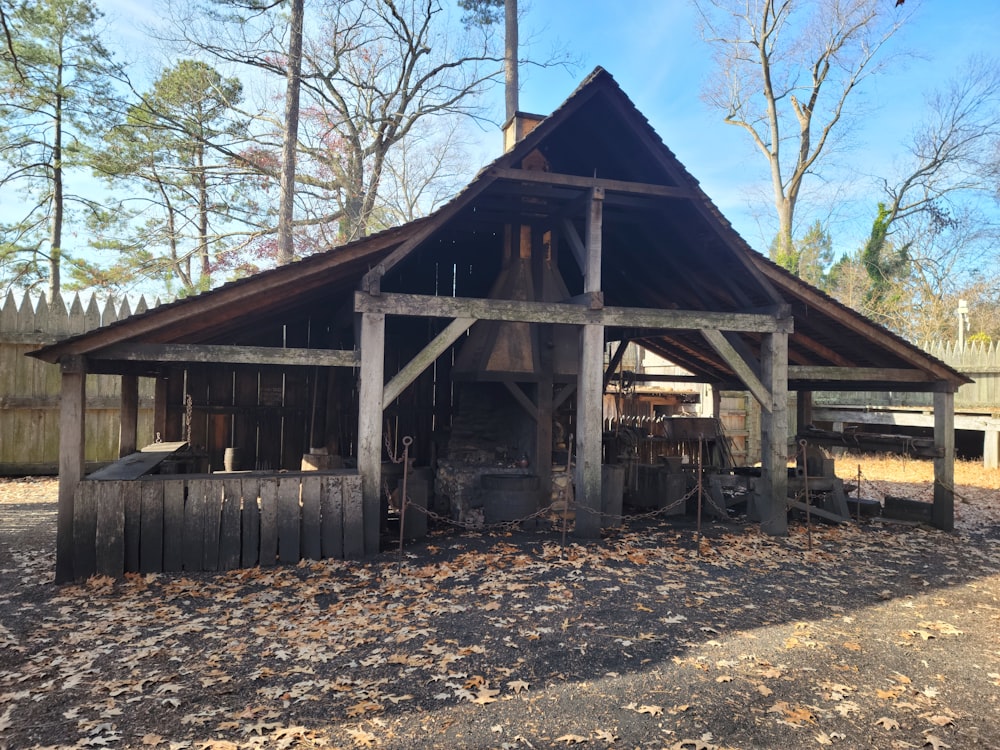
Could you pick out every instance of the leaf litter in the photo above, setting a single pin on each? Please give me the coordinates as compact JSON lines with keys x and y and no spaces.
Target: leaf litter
{"x":881,"y":636}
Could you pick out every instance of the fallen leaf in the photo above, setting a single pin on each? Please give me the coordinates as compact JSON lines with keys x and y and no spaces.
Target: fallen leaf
{"x":362,"y":738}
{"x":936,"y":743}
{"x":941,"y":721}
{"x":485,"y":695}
{"x":517,"y":686}
{"x":604,"y":736}
{"x":886,"y":723}
{"x":651,"y":710}
{"x":152,"y":740}
{"x":571,"y":739}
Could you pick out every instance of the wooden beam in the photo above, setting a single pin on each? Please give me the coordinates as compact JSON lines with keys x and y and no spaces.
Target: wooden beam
{"x":943,"y":510}
{"x":590,"y":388}
{"x":552,"y":312}
{"x":72,"y":434}
{"x":370,"y":427}
{"x":521,"y":398}
{"x":614,"y":361}
{"x":128,"y":416}
{"x":774,"y":436}
{"x":572,"y":238}
{"x":861,"y":374}
{"x":567,"y":180}
{"x":424,"y":359}
{"x":743,"y":371}
{"x":242,"y":355}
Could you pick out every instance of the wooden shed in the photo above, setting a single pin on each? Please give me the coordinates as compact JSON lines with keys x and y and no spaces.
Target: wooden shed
{"x":586,"y":232}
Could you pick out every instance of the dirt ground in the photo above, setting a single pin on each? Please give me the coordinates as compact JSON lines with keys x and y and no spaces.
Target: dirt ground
{"x":882,"y":635}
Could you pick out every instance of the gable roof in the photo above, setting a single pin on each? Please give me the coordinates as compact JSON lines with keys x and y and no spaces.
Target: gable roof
{"x":665,"y":246}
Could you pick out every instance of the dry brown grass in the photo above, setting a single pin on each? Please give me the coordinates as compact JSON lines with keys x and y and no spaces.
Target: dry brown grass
{"x":977,"y":489}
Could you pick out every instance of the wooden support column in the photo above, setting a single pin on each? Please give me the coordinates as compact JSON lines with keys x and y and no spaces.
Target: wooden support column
{"x":991,"y":449}
{"x":590,"y":388}
{"x":129,"y":416}
{"x":370,"y":392}
{"x":943,"y":512}
{"x":773,"y":493}
{"x":72,"y":410}
{"x":160,"y":392}
{"x":803,"y":410}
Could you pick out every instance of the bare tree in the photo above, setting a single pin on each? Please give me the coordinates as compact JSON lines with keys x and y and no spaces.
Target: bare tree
{"x":371,"y":71}
{"x":940,"y":187}
{"x":286,"y":212}
{"x":786,"y":70}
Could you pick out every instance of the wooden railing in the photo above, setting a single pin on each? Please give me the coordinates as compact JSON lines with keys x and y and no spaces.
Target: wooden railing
{"x":208,"y":523}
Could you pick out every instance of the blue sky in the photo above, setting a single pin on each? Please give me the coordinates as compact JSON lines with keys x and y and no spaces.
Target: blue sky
{"x":654,"y":51}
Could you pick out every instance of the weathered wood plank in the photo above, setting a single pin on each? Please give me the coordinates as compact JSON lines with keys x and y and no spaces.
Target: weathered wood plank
{"x":132,"y":494}
{"x":73,"y":391}
{"x":151,"y":527}
{"x":231,"y":524}
{"x":250,"y":520}
{"x":331,"y":517}
{"x":194,"y":524}
{"x":566,"y":313}
{"x":311,"y":544}
{"x":370,"y":425}
{"x":591,"y":183}
{"x":268,"y":521}
{"x":110,"y":532}
{"x":137,"y":464}
{"x":739,"y":366}
{"x":289,"y":520}
{"x":173,"y":525}
{"x":129,"y":415}
{"x":354,"y":522}
{"x":943,"y":511}
{"x":211,"y":531}
{"x":84,"y":530}
{"x":859,"y":374}
{"x":241,"y":355}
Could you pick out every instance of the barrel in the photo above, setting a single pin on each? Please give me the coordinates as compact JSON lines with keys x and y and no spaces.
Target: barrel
{"x":510,"y":497}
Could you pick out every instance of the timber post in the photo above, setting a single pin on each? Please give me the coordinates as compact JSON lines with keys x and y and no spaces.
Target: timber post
{"x":72,"y":433}
{"x":590,"y":387}
{"x":370,"y":393}
{"x":128,"y":416}
{"x":943,"y":510}
{"x":774,"y":435}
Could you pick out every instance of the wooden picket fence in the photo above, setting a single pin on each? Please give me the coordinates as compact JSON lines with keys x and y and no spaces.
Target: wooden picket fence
{"x":29,"y":388}
{"x":208,"y":523}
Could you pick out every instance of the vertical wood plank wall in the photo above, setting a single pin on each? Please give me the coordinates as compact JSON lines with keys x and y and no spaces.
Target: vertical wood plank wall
{"x":29,"y":388}
{"x":209,"y":524}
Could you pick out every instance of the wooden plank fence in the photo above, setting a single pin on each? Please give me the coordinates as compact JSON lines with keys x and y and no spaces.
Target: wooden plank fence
{"x":207,"y":523}
{"x":29,"y":388}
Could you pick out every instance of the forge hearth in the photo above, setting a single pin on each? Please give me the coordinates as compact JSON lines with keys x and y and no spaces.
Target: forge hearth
{"x":491,"y":435}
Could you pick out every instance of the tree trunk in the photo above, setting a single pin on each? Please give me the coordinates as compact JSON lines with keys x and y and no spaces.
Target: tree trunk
{"x":510,"y":56}
{"x":55,"y":228}
{"x":286,"y":245}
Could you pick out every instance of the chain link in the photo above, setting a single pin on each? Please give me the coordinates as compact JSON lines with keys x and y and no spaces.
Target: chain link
{"x":545,"y":511}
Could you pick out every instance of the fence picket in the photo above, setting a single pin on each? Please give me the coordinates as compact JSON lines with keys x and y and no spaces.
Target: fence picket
{"x":268,"y":522}
{"x":173,"y":524}
{"x":331,"y":517}
{"x":151,"y":526}
{"x":229,"y":536}
{"x":289,"y":519}
{"x":85,"y":530}
{"x":110,"y":531}
{"x":194,"y":524}
{"x":132,"y":493}
{"x":311,"y":545}
{"x":250,"y":537}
